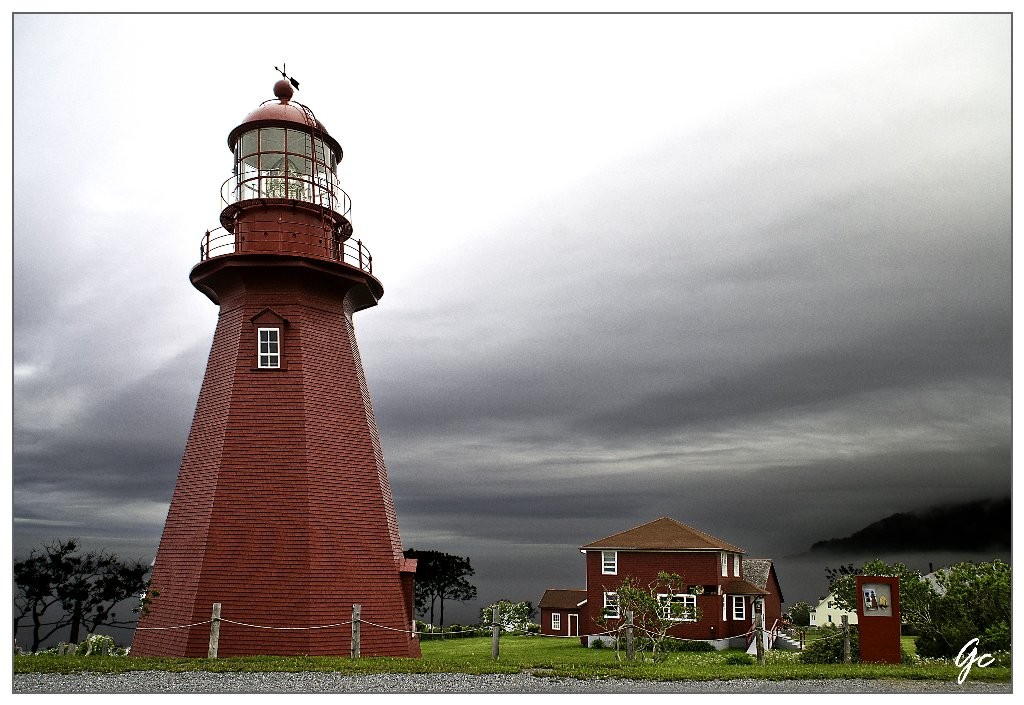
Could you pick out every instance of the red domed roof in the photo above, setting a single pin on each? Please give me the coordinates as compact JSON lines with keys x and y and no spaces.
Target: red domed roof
{"x":282,"y":113}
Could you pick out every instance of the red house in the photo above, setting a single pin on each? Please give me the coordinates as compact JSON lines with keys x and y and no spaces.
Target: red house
{"x":713,"y":570}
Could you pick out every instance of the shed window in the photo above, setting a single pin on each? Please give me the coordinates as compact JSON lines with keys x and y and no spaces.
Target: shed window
{"x":269,"y":347}
{"x":609,"y":562}
{"x":556,"y":621}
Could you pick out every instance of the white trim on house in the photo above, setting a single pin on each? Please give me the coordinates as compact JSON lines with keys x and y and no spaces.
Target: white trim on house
{"x":739,"y":608}
{"x":689,"y":606}
{"x":611,"y":605}
{"x":609,"y":562}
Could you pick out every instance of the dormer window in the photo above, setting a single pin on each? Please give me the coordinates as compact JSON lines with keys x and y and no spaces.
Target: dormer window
{"x":269,"y":348}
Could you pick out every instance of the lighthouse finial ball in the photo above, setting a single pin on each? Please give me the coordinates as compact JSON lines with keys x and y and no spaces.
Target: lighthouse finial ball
{"x":283,"y":90}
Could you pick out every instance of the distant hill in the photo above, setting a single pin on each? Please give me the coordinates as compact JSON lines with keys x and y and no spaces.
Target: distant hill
{"x":972,"y":526}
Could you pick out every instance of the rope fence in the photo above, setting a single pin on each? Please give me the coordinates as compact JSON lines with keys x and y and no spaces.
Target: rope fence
{"x":496,"y":628}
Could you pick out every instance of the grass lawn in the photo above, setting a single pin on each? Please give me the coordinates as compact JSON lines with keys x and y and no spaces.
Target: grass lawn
{"x":538,"y":655}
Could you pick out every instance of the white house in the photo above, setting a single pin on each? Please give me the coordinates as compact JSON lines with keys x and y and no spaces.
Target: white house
{"x":827,"y":612}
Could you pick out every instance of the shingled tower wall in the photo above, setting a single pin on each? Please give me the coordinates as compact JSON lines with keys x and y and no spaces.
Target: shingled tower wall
{"x":282,"y":511}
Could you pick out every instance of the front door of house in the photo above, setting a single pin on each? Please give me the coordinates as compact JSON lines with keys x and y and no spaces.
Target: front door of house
{"x":574,"y":625}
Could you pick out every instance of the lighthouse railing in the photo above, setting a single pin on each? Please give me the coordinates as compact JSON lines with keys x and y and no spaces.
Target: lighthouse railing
{"x":221,"y":241}
{"x":319,"y":189}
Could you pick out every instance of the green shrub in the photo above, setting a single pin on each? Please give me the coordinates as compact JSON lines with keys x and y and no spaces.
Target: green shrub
{"x":687,"y":645}
{"x":739,"y":659}
{"x":828,"y":647}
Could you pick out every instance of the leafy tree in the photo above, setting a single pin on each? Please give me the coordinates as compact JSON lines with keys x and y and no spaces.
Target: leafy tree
{"x":439,"y":577}
{"x":514,"y":616}
{"x":800,"y":614}
{"x":654,"y":612}
{"x":971,"y":601}
{"x":85,"y":586}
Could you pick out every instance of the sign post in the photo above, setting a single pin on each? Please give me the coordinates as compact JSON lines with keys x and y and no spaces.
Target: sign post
{"x":878,"y":618}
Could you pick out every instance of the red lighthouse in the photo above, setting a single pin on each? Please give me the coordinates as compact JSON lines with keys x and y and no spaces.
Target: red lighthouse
{"x":282,"y":511}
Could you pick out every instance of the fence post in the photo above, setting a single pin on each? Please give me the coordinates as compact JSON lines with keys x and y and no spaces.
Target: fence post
{"x":630,"y":649}
{"x":759,"y":635}
{"x":846,"y":638}
{"x":214,"y":631}
{"x":356,"y":610}
{"x":495,"y":631}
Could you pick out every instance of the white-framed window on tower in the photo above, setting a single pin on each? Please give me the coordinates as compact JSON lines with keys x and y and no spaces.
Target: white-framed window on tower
{"x":736,"y":565}
{"x":725,"y":564}
{"x":269,"y":347}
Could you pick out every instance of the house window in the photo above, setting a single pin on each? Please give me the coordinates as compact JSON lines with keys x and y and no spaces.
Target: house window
{"x":725,"y":607}
{"x":736,"y":564}
{"x":680,"y":608}
{"x":556,"y":621}
{"x":739,"y":607}
{"x":609,"y":562}
{"x":270,"y":347}
{"x":611,"y":605}
{"x":830,"y":618}
{"x":725,"y":564}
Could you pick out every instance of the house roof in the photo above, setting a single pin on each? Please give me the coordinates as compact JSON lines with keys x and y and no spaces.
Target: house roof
{"x":562,"y":599}
{"x":662,"y":534}
{"x":742,"y":587}
{"x":757,"y":571}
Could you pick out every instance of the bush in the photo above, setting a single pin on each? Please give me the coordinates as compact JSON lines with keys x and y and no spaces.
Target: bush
{"x":739,"y":659}
{"x":828,"y":647}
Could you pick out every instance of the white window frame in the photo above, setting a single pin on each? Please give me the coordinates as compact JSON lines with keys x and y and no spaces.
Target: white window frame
{"x":272,"y":355}
{"x":739,"y":608}
{"x":725,"y":608}
{"x":609,"y":562}
{"x":725,"y":564}
{"x":736,"y":564}
{"x":611,"y":605}
{"x":689,"y":606}
{"x":556,"y":621}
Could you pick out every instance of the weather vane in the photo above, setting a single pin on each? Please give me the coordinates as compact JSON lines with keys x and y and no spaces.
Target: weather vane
{"x":284,"y":75}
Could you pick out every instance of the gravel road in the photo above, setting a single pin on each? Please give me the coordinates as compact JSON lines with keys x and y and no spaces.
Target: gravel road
{"x":204,"y":682}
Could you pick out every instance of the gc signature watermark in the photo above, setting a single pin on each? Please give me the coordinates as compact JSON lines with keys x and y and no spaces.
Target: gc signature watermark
{"x":967,"y":659}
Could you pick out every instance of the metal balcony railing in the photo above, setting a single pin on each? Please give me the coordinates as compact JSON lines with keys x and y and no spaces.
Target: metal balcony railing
{"x":220,"y":241}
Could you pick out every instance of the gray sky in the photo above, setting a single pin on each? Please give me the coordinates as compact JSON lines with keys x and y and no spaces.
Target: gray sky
{"x":751,"y":272}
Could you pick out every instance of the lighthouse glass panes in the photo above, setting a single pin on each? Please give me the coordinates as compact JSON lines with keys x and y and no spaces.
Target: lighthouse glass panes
{"x":270,"y":347}
{"x":277,"y":162}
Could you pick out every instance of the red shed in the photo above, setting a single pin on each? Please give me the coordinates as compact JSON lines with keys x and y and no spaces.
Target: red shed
{"x":560,"y":612}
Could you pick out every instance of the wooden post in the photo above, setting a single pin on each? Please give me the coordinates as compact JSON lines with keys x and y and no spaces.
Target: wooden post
{"x":495,"y":631}
{"x":356,"y":610}
{"x":214,"y":631}
{"x":846,"y":638}
{"x":630,"y":647}
{"x":759,"y":635}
